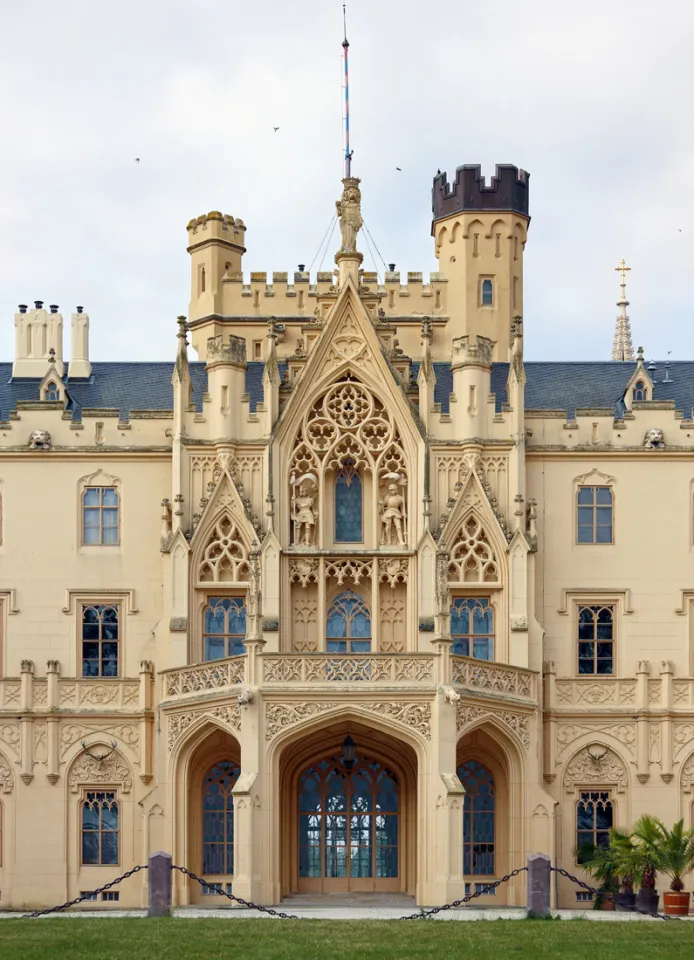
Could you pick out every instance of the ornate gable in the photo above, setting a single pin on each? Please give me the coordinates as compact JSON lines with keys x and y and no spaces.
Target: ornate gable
{"x":473,"y":538}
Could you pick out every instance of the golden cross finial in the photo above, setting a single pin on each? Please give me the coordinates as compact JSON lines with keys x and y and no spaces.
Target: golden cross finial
{"x":623,"y":269}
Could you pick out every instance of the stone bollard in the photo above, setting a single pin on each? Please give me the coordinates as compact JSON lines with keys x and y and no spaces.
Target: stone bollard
{"x":539,"y":876}
{"x":159,"y":885}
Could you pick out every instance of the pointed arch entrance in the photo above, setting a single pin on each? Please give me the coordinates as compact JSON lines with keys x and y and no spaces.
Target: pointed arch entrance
{"x":348,"y":827}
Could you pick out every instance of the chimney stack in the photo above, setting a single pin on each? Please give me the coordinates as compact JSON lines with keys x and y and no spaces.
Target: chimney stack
{"x":79,"y":368}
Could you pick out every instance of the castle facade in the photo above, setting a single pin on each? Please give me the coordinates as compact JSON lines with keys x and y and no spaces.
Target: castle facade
{"x":358,"y":600}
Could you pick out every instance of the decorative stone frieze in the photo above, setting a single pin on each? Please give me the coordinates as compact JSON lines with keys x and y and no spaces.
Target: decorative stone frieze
{"x":303,"y":570}
{"x":348,"y":669}
{"x":6,"y":777}
{"x":216,"y":675}
{"x":89,"y":771}
{"x":178,"y":723}
{"x":393,"y":570}
{"x":568,"y":733}
{"x":75,"y":731}
{"x":279,"y":716}
{"x":519,"y":723}
{"x":596,"y":764}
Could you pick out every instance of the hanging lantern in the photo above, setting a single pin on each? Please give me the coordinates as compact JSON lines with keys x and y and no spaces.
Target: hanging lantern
{"x":348,"y":753}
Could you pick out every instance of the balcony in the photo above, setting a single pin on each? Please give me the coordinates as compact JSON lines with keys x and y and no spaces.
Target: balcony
{"x":408,"y":669}
{"x":493,"y":679}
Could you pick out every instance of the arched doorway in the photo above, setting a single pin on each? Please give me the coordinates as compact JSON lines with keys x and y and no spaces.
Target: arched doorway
{"x":348,"y":826}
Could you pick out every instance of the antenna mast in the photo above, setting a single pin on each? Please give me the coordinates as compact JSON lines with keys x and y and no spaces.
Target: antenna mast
{"x":345,"y":47}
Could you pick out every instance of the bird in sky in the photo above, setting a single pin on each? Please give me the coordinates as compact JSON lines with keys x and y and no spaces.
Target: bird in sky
{"x":137,"y":159}
{"x":275,"y":129}
{"x":399,"y":168}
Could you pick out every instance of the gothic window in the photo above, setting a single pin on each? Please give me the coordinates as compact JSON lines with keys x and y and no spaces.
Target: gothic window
{"x":596,"y":640}
{"x":487,"y":293}
{"x":100,"y":827}
{"x":100,"y":510}
{"x":218,"y":818}
{"x":52,"y":394}
{"x":472,"y":628}
{"x":478,"y":819}
{"x":225,"y":627}
{"x":594,"y":515}
{"x":472,"y":557}
{"x":594,"y":819}
{"x":100,"y":640}
{"x":348,"y":628}
{"x":639,"y":391}
{"x":348,"y":504}
{"x":225,"y":559}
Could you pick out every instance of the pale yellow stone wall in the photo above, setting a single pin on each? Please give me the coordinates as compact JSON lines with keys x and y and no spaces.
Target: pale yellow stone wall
{"x":500,"y":486}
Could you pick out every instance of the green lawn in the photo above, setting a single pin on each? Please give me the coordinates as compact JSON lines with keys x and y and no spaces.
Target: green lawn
{"x":141,"y":939}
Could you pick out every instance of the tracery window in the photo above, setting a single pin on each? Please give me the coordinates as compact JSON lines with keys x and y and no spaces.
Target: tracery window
{"x":596,"y":639}
{"x":349,"y":527}
{"x":100,"y":828}
{"x":639,"y":391}
{"x":52,"y":394}
{"x":479,"y":816}
{"x":348,"y":628}
{"x":218,"y":818}
{"x":472,"y":558}
{"x":594,"y":516}
{"x":225,"y":627}
{"x":100,"y":640}
{"x":472,"y":628}
{"x":100,"y":509}
{"x":487,"y":293}
{"x":594,"y":819}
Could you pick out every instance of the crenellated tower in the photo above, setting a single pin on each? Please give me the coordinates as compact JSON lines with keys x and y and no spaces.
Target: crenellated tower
{"x":216,"y":246}
{"x":479,"y":233}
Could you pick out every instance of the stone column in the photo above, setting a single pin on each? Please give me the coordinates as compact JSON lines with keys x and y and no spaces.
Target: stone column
{"x":26,"y":723}
{"x":53,"y":722}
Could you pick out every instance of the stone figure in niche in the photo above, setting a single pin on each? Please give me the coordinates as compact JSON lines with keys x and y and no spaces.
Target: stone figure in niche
{"x":349,"y":212}
{"x":304,"y":513}
{"x":392,"y":515}
{"x":40,"y":440}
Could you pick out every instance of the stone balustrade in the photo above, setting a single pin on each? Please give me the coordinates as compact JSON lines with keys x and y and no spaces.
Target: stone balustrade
{"x":215,"y":675}
{"x":66,"y":694}
{"x":499,"y":679}
{"x":377,"y":668}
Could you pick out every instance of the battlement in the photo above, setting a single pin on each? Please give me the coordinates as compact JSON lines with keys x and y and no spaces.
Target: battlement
{"x":508,"y":190}
{"x":231,"y":352}
{"x":216,"y":226}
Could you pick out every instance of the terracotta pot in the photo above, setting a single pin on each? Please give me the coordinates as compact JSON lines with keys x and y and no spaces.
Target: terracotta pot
{"x":607,"y":904}
{"x":676,"y":904}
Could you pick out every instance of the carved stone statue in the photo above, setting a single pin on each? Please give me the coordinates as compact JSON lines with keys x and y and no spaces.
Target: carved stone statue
{"x":40,"y":440}
{"x":349,"y":212}
{"x":392,"y":516}
{"x":654,"y":439}
{"x":304,"y":516}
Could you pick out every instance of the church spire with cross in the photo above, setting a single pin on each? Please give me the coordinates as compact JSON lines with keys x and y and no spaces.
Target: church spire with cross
{"x":622,"y":346}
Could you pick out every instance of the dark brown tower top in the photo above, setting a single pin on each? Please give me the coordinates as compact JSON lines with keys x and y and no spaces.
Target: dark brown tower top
{"x":508,"y":190}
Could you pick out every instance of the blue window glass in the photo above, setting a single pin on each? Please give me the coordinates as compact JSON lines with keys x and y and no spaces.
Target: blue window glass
{"x":348,"y":628}
{"x":52,"y":394}
{"x":472,"y":628}
{"x":593,"y":823}
{"x":478,"y":819}
{"x":595,"y":640}
{"x":225,"y":627}
{"x":100,"y":511}
{"x":594,"y":515}
{"x":218,"y":818}
{"x":487,"y":293}
{"x":348,"y":504}
{"x":100,"y":829}
{"x":639,"y":391}
{"x":100,"y":638}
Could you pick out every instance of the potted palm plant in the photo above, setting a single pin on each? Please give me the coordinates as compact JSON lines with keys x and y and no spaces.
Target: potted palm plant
{"x":644,"y":840}
{"x":602,"y":863}
{"x":625,"y":855}
{"x":674,"y":852}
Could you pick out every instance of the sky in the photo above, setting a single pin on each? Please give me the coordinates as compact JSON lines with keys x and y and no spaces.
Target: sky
{"x":593,"y":99}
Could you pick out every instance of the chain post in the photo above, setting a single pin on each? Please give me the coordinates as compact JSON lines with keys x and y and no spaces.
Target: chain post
{"x":159,"y":885}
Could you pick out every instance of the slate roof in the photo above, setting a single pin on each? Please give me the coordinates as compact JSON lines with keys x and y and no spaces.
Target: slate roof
{"x":550,"y":386}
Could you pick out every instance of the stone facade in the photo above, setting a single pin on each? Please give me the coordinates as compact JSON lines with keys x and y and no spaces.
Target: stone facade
{"x":198,"y":610}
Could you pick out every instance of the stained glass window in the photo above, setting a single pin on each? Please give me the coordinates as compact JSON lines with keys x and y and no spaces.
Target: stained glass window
{"x":594,"y":815}
{"x":472,"y":628}
{"x":478,"y":819}
{"x":348,"y":820}
{"x":639,"y":391}
{"x":100,"y":638}
{"x":52,"y":393}
{"x":487,"y":293}
{"x":100,"y":829}
{"x":100,"y":516}
{"x":594,"y":505}
{"x":348,"y":504}
{"x":348,"y":627}
{"x":225,"y":627}
{"x":218,"y":818}
{"x":596,"y":640}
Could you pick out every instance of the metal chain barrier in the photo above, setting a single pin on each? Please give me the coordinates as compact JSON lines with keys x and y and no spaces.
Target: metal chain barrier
{"x":609,"y":896}
{"x":230,"y":896}
{"x":424,"y":914}
{"x":85,"y":896}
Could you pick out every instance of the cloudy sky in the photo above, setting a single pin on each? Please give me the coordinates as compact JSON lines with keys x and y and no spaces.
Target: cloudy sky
{"x":594,"y":99}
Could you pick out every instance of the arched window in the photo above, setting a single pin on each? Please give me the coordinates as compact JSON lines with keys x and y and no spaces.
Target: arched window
{"x":487,"y":293}
{"x":348,"y":504}
{"x":472,"y":628}
{"x":348,"y":624}
{"x":478,"y":819}
{"x":100,"y":828}
{"x":218,"y":818}
{"x":225,"y":627}
{"x":52,"y":394}
{"x":639,"y":391}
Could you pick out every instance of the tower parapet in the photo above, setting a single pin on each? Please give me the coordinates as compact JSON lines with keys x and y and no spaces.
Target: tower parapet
{"x":507,"y":191}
